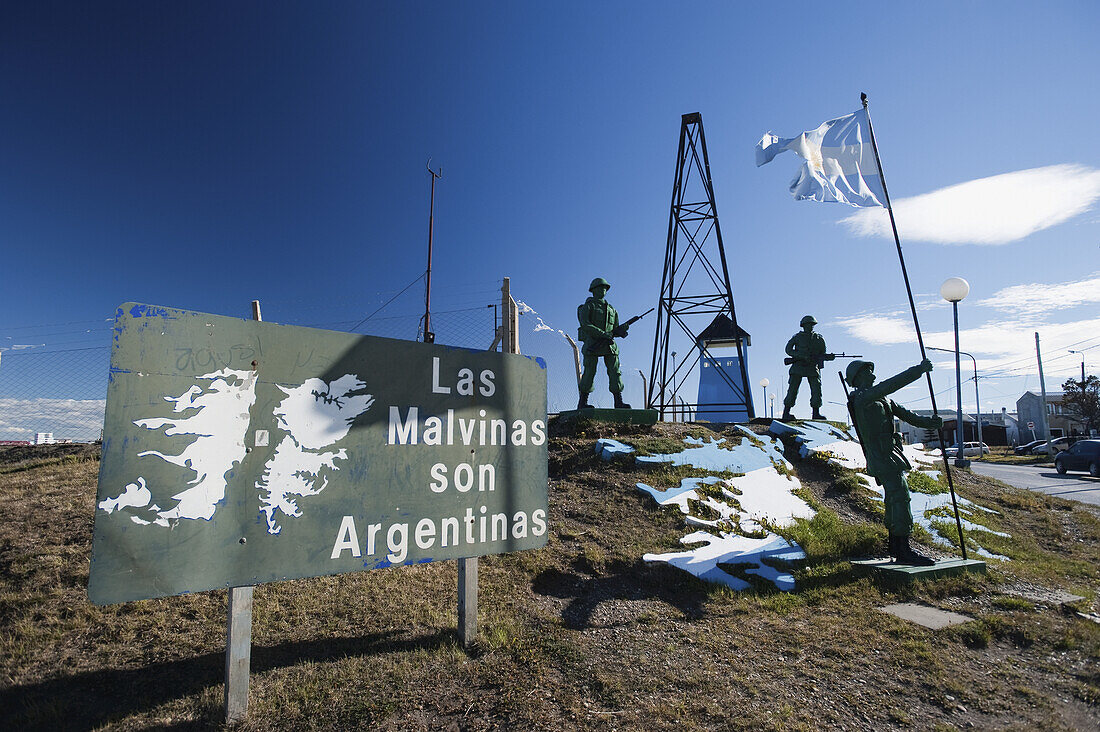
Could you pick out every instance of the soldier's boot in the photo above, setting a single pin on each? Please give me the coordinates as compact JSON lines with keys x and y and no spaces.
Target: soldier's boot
{"x":903,"y":553}
{"x":786,"y":415}
{"x":817,"y":414}
{"x":619,"y":403}
{"x":582,"y":403}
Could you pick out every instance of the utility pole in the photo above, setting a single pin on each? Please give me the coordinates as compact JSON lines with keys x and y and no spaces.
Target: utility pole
{"x":429,"y":336}
{"x":1043,"y":389}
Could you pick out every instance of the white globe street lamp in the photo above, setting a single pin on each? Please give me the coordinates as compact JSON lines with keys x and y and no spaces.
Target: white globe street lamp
{"x":953,"y":290}
{"x":764,"y":385}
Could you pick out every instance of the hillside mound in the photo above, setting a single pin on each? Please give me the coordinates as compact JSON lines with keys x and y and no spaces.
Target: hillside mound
{"x":582,"y":634}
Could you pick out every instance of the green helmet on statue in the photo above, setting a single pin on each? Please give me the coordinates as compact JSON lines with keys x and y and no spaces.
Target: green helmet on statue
{"x":854,"y":368}
{"x":599,"y":282}
{"x":807,"y":320}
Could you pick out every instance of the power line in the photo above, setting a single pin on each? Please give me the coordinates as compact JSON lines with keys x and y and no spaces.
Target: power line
{"x":403,"y":291}
{"x":1029,"y":357}
{"x":36,"y":352}
{"x":408,"y":316}
{"x":56,"y":325}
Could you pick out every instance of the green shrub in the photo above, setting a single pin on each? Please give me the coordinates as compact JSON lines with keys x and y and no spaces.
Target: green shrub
{"x":824,"y":460}
{"x":922,"y":483}
{"x":848,"y":483}
{"x":1009,"y":602}
{"x":975,"y":635}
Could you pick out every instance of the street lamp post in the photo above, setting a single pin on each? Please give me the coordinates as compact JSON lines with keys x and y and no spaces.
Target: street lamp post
{"x":674,"y":386}
{"x":977,"y":404}
{"x":1082,"y":366}
{"x":773,"y":404}
{"x":764,"y":385}
{"x":953,"y":290}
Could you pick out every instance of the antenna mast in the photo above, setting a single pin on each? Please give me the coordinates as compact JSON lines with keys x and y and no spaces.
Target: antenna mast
{"x":429,"y":336}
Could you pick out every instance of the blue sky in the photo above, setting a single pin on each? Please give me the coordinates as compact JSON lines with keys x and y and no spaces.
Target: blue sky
{"x":203,"y":155}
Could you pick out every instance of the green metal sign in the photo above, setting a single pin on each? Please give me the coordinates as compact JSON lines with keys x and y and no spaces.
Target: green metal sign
{"x":237,"y":452}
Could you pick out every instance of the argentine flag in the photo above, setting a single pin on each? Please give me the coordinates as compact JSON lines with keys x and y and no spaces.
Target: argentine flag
{"x":840,"y":162}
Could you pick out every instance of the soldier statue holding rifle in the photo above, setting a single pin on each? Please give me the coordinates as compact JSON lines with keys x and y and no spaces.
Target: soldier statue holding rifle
{"x":806,"y":356}
{"x":599,"y":327}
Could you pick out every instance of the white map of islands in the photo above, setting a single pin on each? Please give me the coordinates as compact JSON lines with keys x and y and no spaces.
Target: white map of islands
{"x":313,"y":417}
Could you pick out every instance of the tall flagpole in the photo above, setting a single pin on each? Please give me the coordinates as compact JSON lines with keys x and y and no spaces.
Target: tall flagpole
{"x":916,"y":323}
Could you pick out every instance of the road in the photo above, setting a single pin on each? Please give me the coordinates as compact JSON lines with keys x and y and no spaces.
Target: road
{"x":1043,"y":479}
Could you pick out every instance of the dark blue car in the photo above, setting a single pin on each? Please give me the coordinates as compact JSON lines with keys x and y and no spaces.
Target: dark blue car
{"x":1083,"y":455}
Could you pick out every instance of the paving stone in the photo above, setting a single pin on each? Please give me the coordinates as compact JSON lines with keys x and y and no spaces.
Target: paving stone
{"x":925,"y":615}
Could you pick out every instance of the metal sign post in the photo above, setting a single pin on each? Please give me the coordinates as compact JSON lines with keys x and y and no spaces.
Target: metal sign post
{"x":238,"y":653}
{"x":467,"y":566}
{"x":238,"y":635}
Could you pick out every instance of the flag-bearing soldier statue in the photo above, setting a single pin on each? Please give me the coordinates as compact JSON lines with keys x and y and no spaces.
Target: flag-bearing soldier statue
{"x":806,"y":356}
{"x":873,"y":415}
{"x":599,"y":326}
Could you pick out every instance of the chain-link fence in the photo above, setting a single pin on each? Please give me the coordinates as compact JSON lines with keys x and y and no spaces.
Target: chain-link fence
{"x":555,"y":347}
{"x":57,"y":395}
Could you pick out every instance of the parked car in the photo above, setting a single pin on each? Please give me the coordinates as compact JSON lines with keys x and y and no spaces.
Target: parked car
{"x":970,"y":449}
{"x":1026,"y":449}
{"x":1056,"y":445}
{"x":1083,"y":455}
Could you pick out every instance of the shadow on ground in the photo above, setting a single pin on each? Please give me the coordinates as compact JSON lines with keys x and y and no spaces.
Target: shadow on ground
{"x":96,"y":698}
{"x":621,"y":581}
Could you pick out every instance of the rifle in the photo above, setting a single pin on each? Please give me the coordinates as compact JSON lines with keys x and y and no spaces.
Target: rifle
{"x":621,"y":330}
{"x":822,"y":359}
{"x":851,"y":412}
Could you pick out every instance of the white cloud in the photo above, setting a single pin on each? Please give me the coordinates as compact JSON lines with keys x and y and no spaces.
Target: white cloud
{"x":1006,"y":346}
{"x":879,"y":330}
{"x":67,"y":418}
{"x":1035,"y":299}
{"x":995,"y":210}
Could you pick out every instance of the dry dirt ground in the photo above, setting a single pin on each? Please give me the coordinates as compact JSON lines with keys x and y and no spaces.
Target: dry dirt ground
{"x":578,"y":635}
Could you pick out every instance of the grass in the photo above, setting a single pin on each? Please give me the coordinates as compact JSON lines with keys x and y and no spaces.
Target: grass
{"x":825,"y":538}
{"x":578,"y":635}
{"x":922,"y":483}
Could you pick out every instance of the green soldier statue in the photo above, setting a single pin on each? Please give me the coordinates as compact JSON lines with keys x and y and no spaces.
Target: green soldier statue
{"x":873,"y":415}
{"x":599,"y":326}
{"x":807,"y":356}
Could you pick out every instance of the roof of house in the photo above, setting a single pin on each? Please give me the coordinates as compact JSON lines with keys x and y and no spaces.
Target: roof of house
{"x":1051,"y":395}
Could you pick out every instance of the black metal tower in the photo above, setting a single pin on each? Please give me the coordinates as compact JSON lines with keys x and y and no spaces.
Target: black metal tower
{"x":695,"y":286}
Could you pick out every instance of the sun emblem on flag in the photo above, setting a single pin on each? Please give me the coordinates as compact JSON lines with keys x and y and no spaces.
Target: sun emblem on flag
{"x":814,"y":158}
